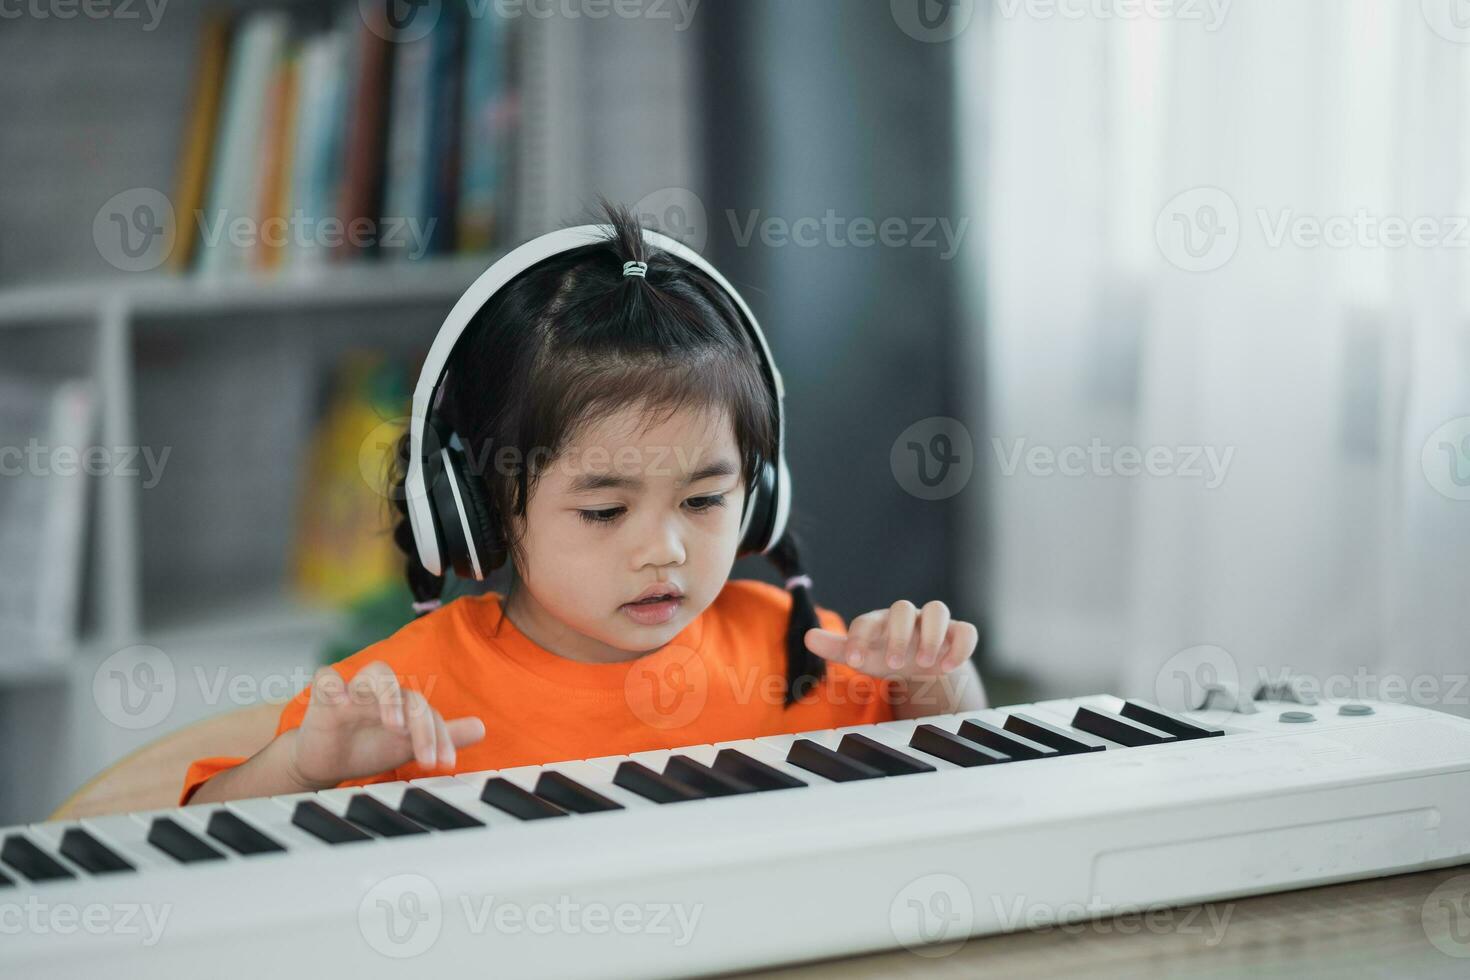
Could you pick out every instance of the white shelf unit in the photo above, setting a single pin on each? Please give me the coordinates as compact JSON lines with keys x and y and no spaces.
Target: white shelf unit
{"x":400,"y":302}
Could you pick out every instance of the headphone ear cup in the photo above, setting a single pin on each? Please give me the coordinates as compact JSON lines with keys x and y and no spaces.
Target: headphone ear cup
{"x":756,"y":539}
{"x":490,"y":544}
{"x":469,"y":539}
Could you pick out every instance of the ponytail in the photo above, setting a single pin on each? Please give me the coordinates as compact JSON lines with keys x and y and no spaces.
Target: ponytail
{"x":427,"y":588}
{"x":803,"y":668}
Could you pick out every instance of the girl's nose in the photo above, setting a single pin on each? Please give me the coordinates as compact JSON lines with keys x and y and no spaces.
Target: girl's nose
{"x":662,"y":544}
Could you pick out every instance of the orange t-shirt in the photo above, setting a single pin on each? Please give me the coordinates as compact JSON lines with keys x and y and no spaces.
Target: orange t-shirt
{"x":722,"y":677}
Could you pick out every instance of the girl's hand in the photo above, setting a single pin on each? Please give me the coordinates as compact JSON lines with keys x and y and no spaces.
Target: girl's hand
{"x":371,"y":725}
{"x":901,"y":642}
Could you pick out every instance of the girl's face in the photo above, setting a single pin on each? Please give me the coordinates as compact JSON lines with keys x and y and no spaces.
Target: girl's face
{"x":623,"y":508}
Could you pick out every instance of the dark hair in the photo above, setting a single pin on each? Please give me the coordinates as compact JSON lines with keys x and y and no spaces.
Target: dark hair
{"x":575,"y":340}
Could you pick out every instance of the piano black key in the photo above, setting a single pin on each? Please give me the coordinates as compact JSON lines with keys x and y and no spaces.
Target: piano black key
{"x":816,"y":757}
{"x":939,"y":743}
{"x":5,"y":881}
{"x":375,"y":815}
{"x":753,"y":771}
{"x":1116,"y":728}
{"x":505,"y":795}
{"x":885,"y":757}
{"x":1014,"y":745}
{"x":564,"y":791}
{"x":424,"y":807}
{"x":701,"y":777}
{"x":172,"y":839}
{"x":1064,"y":740}
{"x":638,"y":778}
{"x":232,"y":831}
{"x":325,"y":825}
{"x":32,"y":862}
{"x":90,"y":854}
{"x":1167,"y":721}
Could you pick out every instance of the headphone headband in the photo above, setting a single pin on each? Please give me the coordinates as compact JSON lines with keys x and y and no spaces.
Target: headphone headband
{"x":482,"y":290}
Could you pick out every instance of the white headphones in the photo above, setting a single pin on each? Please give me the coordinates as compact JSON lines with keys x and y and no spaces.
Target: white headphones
{"x":448,"y":508}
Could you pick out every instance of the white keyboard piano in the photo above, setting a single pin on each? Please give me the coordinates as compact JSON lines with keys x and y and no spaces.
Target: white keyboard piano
{"x":744,"y":854}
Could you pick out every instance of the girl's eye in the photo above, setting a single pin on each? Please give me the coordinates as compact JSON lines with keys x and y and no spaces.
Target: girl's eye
{"x":702,"y":504}
{"x":600,"y":516}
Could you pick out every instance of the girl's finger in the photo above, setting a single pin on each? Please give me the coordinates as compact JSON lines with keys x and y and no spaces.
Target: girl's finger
{"x":421,"y":728}
{"x":376,"y":684}
{"x":328,"y":688}
{"x":963,"y":638}
{"x":933,"y":625}
{"x":825,"y":643}
{"x":443,"y":744}
{"x":862,"y":636}
{"x":901,"y":617}
{"x":466,"y":731}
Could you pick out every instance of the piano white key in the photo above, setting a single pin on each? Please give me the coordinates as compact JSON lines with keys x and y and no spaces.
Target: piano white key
{"x":458,"y":793}
{"x":774,"y":758}
{"x":125,"y":835}
{"x":595,"y":778}
{"x":274,"y":820}
{"x":897,"y":739}
{"x":52,"y":851}
{"x":782,"y":743}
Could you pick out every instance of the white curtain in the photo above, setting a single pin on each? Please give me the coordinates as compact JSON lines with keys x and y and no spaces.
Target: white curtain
{"x":1151,"y":285}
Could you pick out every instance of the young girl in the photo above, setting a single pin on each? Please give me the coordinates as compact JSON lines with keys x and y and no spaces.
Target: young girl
{"x":619,"y":420}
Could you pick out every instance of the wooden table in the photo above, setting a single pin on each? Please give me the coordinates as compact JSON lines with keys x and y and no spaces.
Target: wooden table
{"x":1376,"y":928}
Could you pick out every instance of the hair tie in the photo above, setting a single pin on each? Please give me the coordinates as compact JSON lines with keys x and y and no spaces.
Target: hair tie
{"x":639,"y":269}
{"x":423,"y":607}
{"x":796,"y":580}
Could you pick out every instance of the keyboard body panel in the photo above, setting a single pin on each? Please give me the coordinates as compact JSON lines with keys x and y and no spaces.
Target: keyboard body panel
{"x":748,"y":880}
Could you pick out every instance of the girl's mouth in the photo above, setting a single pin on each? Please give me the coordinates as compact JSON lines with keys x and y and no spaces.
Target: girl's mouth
{"x":652,"y":612}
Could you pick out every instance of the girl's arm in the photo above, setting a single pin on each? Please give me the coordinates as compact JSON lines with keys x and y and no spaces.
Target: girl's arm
{"x":350,"y":730}
{"x":924,"y":656}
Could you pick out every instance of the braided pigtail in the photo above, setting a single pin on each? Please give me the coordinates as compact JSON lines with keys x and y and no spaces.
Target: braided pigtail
{"x":803,"y":668}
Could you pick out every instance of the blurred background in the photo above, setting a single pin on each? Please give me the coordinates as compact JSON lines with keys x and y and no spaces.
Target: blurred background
{"x":1134,"y":330}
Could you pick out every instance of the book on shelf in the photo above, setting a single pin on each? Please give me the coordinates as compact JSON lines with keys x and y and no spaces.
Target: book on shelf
{"x":46,"y":430}
{"x":316,"y":139}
